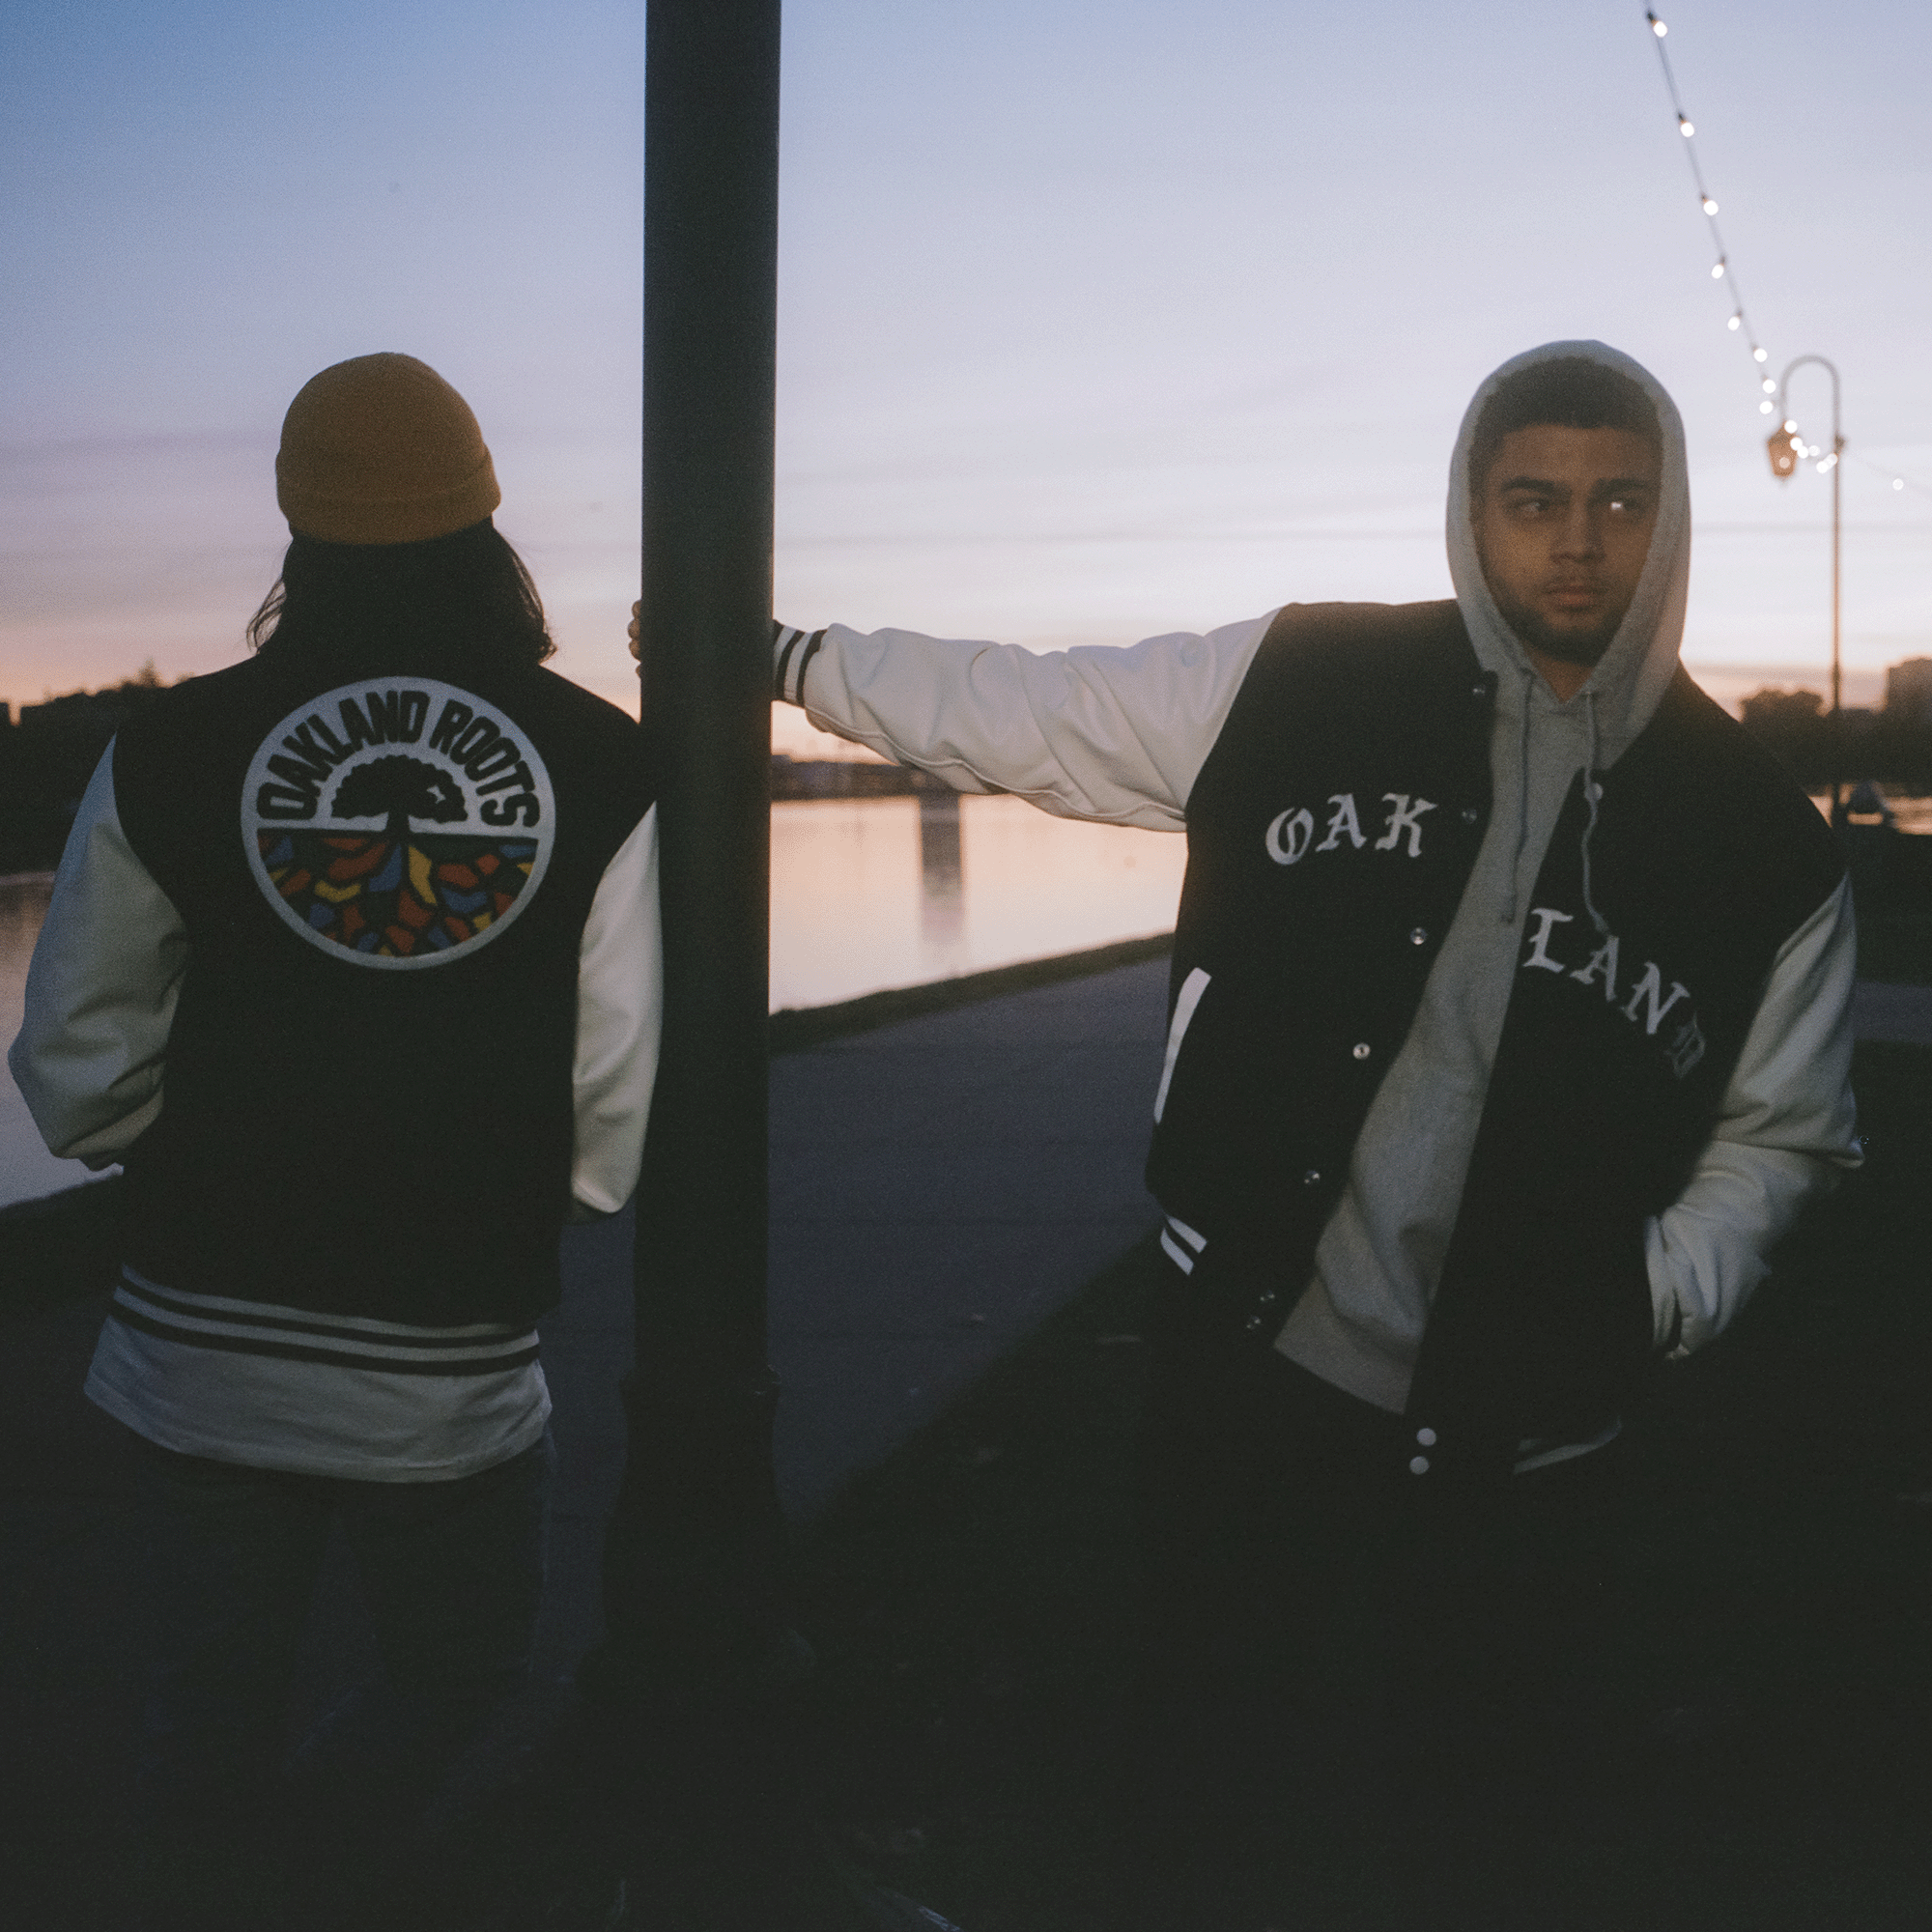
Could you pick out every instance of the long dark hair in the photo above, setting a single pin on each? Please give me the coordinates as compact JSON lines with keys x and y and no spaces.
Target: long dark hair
{"x":467,"y":592}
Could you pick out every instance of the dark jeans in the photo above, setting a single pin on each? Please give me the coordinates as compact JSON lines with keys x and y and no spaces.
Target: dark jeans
{"x":1411,"y":1690}
{"x":453,"y":1574}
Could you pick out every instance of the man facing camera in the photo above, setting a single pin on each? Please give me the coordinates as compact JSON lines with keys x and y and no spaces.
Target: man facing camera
{"x":1509,"y":1029}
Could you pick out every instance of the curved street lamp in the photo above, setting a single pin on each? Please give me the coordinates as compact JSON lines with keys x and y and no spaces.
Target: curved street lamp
{"x":1787,"y":446}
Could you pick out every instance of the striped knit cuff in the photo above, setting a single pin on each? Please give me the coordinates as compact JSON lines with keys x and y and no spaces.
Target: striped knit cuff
{"x":791,"y":651}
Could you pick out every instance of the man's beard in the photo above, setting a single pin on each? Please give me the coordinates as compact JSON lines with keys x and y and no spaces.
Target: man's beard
{"x":1575,"y":647}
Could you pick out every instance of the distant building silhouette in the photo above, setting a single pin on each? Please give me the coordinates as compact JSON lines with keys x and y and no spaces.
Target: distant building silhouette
{"x":1908,"y":693}
{"x":48,"y":753}
{"x":849,"y":777}
{"x":1893,"y":744}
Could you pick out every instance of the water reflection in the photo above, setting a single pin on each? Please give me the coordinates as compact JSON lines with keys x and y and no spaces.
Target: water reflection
{"x":942,"y":876}
{"x":890,"y":892}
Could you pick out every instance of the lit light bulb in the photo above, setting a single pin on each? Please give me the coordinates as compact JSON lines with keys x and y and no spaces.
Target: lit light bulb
{"x":1718,"y":272}
{"x":1758,"y":354}
{"x":1790,"y":429}
{"x":1898,"y":482}
{"x":1797,"y":442}
{"x":1770,"y":386}
{"x":1685,"y":128}
{"x":1735,"y":322}
{"x":1831,"y":462}
{"x":1710,"y":206}
{"x":1764,"y":408}
{"x":1656,"y":26}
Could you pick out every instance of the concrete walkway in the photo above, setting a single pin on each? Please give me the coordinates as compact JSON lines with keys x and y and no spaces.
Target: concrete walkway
{"x":1901,"y":1014}
{"x":939,"y":1187}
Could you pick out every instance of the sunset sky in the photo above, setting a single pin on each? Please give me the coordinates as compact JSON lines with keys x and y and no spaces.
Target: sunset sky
{"x":1098,"y":317}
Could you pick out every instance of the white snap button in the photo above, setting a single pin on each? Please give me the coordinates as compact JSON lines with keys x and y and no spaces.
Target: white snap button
{"x":1418,"y":1466}
{"x":1426,"y":1438}
{"x":1311,"y":1179}
{"x":1361,"y":1049}
{"x":1420,"y":936}
{"x":1470,"y":815}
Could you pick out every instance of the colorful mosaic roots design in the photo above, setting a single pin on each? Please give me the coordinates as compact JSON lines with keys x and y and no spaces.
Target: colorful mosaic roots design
{"x":374,"y":893}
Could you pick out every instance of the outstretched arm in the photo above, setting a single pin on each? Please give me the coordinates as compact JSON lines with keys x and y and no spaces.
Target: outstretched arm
{"x":100,"y":991}
{"x":1785,"y":1129}
{"x":1115,"y":735}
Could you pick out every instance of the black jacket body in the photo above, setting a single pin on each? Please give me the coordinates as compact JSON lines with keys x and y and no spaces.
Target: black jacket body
{"x":384,"y":869}
{"x":1704,"y":860}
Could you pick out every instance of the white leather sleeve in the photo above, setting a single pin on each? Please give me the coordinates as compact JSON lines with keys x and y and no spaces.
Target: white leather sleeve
{"x":619,"y":1016}
{"x":100,"y":991}
{"x":1788,"y":1125}
{"x":1118,"y":735}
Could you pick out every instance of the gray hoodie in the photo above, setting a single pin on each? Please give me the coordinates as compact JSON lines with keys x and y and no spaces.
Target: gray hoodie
{"x":1120,"y":735}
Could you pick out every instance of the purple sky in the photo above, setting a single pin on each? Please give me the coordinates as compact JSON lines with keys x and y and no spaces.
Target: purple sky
{"x":1097,"y":319}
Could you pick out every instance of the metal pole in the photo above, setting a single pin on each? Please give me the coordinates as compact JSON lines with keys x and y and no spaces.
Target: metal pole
{"x":692,"y":1554}
{"x":1837,"y":468}
{"x":1837,"y":726}
{"x":695,"y":1641}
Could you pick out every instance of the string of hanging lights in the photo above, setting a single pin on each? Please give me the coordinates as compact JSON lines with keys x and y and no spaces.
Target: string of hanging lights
{"x":1787,"y":445}
{"x":1893,"y":476}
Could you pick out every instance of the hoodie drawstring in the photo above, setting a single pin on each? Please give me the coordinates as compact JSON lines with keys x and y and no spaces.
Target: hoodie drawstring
{"x":1522,"y":799}
{"x":1592,"y":792}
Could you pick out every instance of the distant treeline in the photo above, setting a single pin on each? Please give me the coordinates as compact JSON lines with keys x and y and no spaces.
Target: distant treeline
{"x":849,"y":777}
{"x":49,"y":750}
{"x":48,"y":753}
{"x":1891,"y":745}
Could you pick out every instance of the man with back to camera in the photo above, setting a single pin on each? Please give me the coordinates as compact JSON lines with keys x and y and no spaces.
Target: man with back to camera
{"x":351,"y":961}
{"x":1509,"y":1024}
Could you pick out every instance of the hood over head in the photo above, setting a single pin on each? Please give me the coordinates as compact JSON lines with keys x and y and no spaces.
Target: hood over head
{"x":1627,"y":685}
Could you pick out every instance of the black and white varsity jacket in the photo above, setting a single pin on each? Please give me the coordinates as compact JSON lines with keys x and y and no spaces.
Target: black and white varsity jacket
{"x":1496,"y":1015}
{"x":1331,"y":832}
{"x":354,"y":966}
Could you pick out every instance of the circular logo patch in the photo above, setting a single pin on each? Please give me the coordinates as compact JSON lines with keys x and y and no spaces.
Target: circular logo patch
{"x":398,"y":823}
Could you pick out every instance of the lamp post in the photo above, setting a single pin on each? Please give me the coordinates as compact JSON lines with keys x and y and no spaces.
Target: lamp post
{"x":1786,"y":445}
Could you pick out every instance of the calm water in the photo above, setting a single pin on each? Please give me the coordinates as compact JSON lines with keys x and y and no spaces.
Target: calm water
{"x":866,"y":893}
{"x":872,"y":893}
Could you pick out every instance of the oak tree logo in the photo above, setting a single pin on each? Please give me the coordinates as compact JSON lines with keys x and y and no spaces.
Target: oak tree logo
{"x":466,"y":813}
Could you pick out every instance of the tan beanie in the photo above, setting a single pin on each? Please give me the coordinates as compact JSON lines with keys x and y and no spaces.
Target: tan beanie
{"x":380,"y":450}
